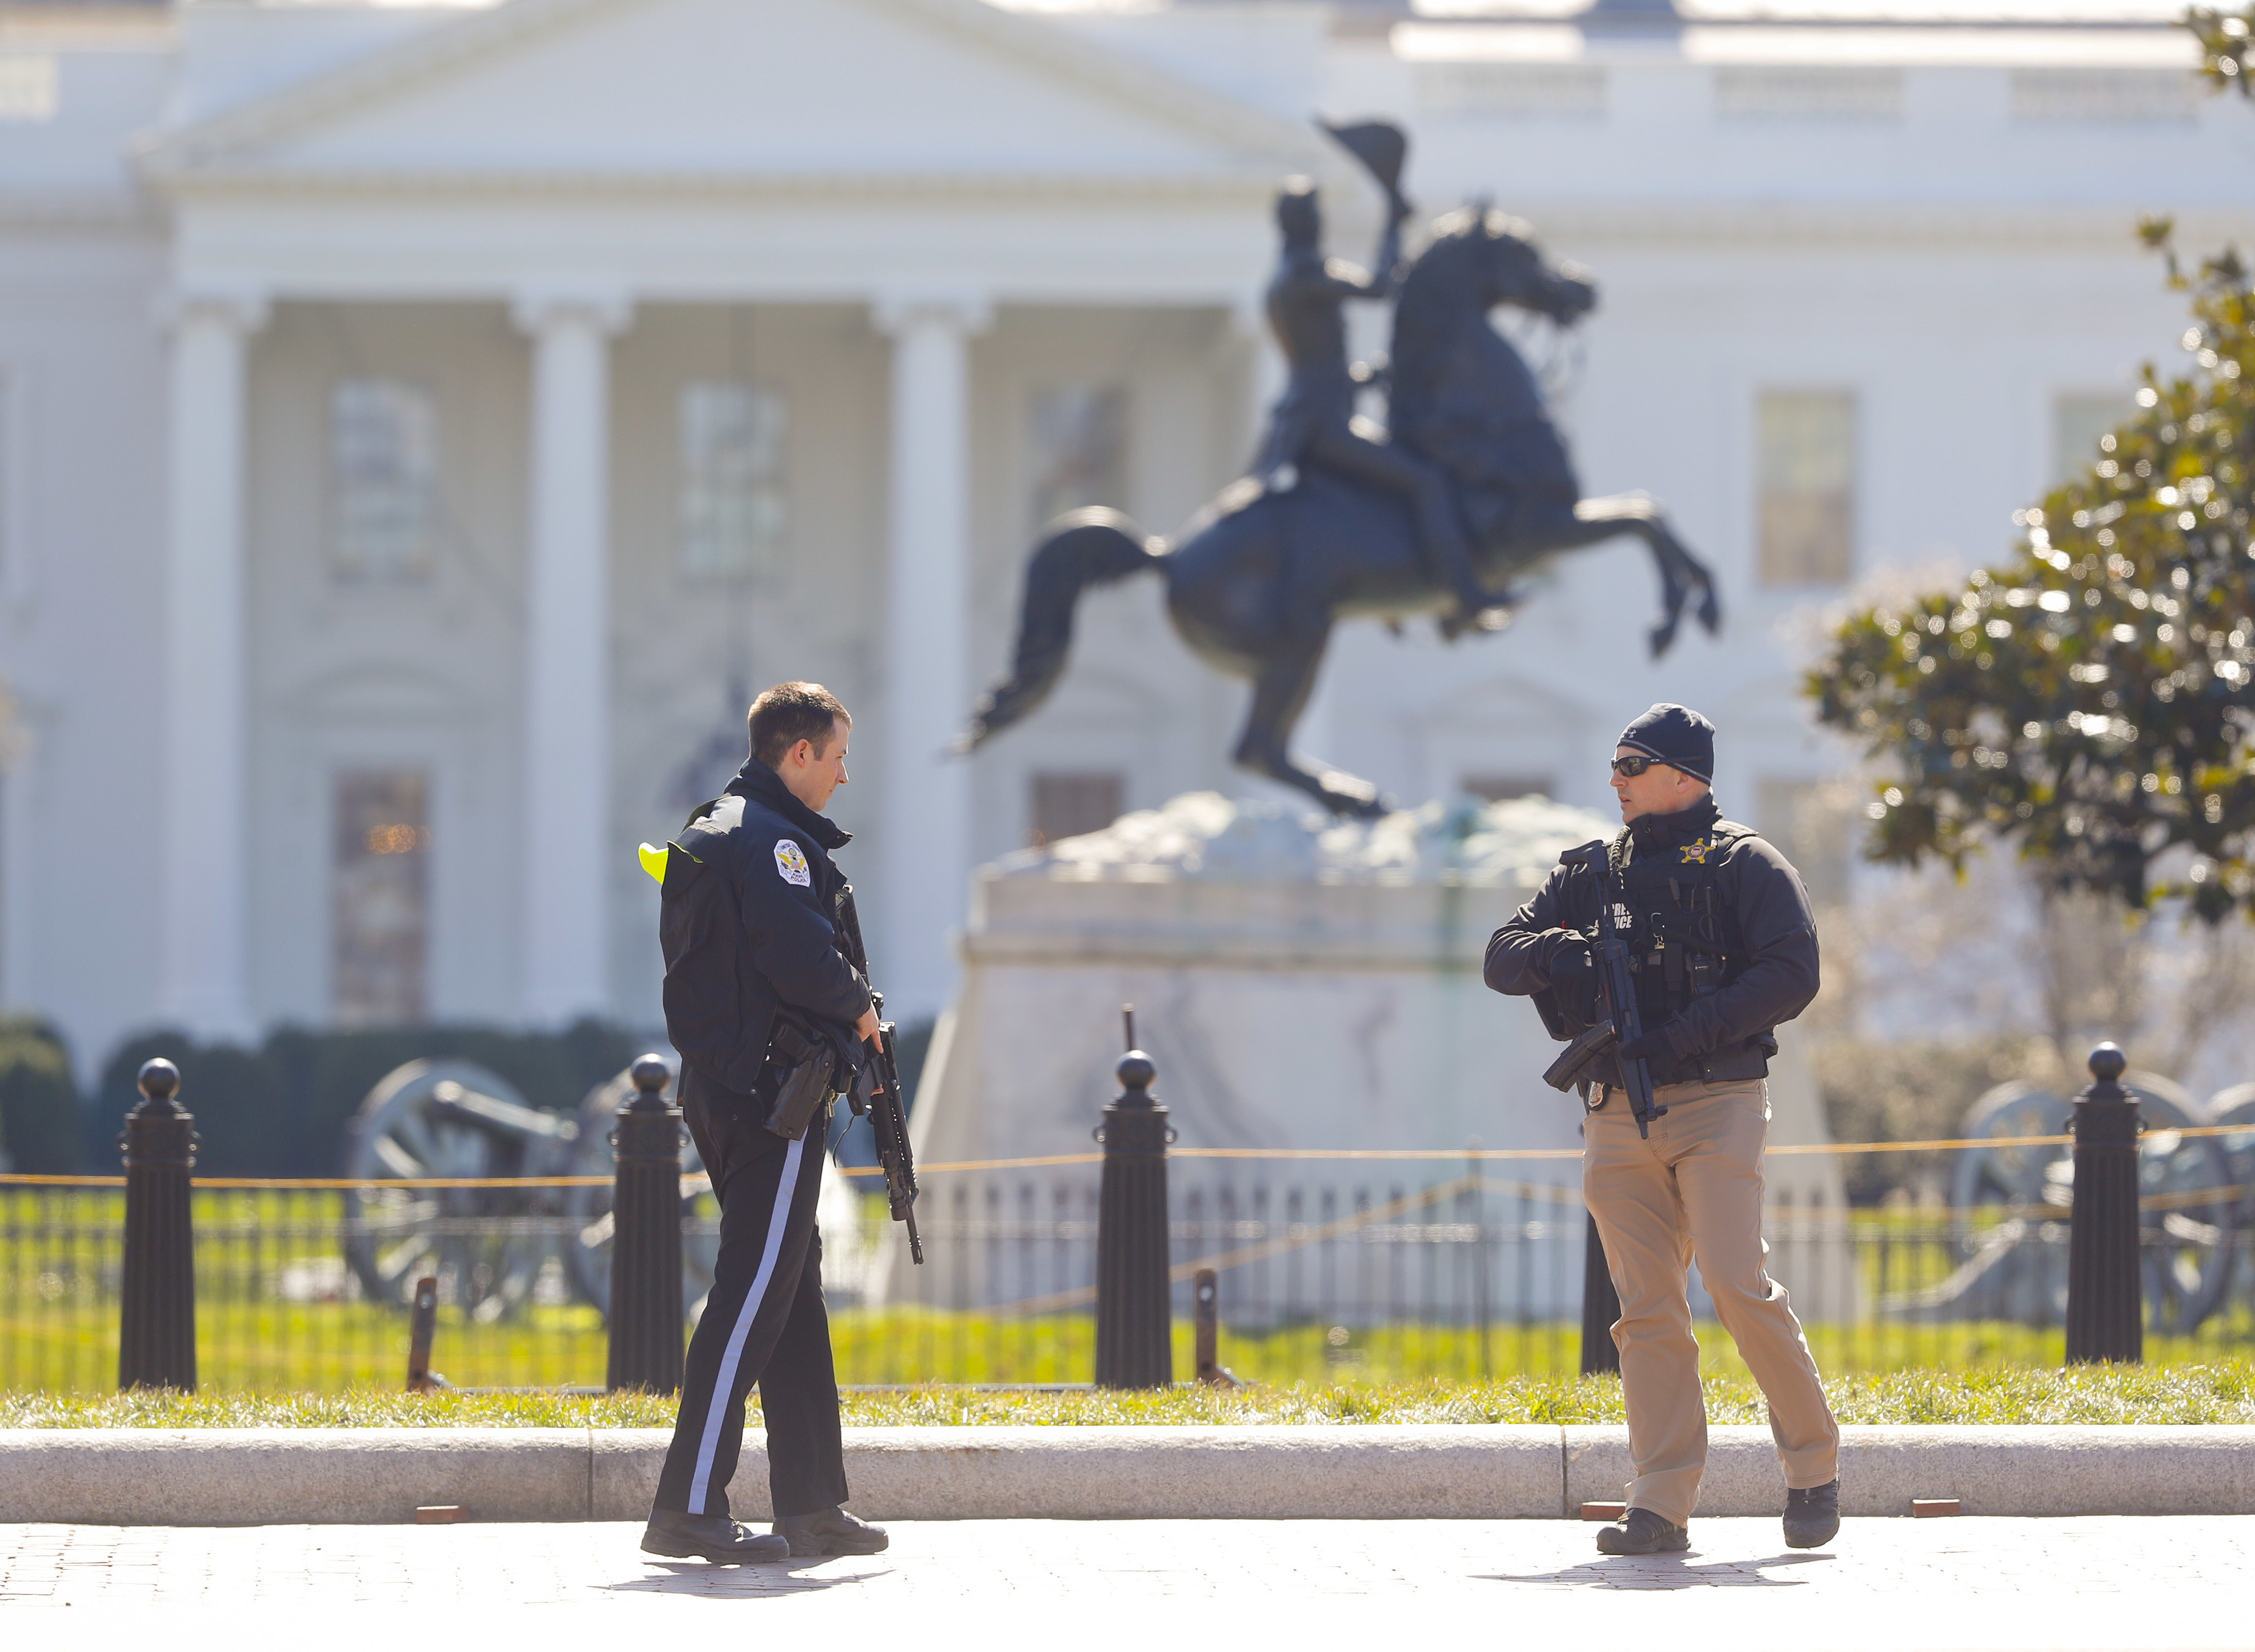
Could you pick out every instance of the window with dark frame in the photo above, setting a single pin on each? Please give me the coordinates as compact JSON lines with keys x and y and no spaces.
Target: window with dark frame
{"x":383,"y":480}
{"x":1805,"y":461}
{"x":1505,"y":787}
{"x":1078,"y":450}
{"x":1072,"y":804}
{"x":379,"y":941}
{"x":734,"y":504}
{"x":1815,"y":823}
{"x":2077,"y":421}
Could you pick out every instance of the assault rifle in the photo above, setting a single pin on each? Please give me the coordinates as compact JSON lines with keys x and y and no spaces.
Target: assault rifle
{"x":1619,"y":1020}
{"x":876,"y":1092}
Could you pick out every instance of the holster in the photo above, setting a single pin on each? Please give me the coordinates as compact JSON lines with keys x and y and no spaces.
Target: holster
{"x":816,"y":1067}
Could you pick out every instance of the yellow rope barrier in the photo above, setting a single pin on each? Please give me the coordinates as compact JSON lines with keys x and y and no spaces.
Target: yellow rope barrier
{"x":333,"y":1184}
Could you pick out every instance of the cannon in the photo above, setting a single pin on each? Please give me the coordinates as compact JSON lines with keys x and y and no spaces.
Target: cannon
{"x":2010,"y":1202}
{"x":487,"y":1246}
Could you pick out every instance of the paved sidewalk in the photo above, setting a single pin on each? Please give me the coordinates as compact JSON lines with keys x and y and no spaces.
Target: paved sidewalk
{"x":1897,"y":1584}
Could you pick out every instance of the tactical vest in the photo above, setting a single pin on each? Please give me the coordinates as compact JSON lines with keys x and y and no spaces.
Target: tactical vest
{"x":1684,"y":941}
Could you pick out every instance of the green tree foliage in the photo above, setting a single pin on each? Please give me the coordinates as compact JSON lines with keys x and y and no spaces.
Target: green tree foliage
{"x":2227,"y":53}
{"x":2092,"y":699}
{"x":38,"y":1100}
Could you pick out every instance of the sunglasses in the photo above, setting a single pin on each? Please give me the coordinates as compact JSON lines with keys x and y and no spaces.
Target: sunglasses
{"x":1633,"y":765}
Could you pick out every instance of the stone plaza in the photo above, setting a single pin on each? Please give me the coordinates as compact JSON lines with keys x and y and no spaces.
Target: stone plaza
{"x":1898,"y":1584}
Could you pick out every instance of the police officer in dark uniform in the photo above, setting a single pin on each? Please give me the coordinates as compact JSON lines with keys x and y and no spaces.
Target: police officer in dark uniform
{"x":750,"y":927}
{"x":1724,"y":949}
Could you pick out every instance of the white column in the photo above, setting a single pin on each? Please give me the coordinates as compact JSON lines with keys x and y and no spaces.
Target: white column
{"x":201,"y":818}
{"x":567,"y":677}
{"x":926,"y":863}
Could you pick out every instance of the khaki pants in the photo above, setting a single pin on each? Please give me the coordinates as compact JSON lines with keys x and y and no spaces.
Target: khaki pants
{"x":1694,"y":1190}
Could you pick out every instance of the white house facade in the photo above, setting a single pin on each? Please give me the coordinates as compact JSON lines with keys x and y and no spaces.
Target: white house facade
{"x":422,"y":425}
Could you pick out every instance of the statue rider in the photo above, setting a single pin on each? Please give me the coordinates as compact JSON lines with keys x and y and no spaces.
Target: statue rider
{"x":1311,"y":421}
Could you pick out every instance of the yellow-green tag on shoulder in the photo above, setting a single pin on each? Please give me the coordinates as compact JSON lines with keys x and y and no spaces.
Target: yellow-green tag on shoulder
{"x":653,"y":861}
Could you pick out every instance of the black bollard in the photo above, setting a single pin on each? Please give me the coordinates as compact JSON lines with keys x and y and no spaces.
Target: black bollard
{"x":1134,"y":1342}
{"x":157,"y":1318}
{"x":646,"y":1314}
{"x":1600,"y":1307}
{"x":422,"y":1331}
{"x":2105,"y":1305}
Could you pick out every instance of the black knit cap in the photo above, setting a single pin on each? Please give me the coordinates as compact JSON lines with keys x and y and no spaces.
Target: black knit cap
{"x":1677,"y":736}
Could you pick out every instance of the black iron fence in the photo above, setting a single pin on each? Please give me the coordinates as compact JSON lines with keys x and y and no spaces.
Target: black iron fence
{"x":1371,"y":1264}
{"x":1347,"y":1270}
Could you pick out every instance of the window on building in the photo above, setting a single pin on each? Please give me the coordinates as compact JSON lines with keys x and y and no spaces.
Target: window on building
{"x":1078,"y":443}
{"x":381,"y":905}
{"x":1069,"y":804}
{"x":1795,"y":91}
{"x":2077,"y":422}
{"x":735,"y":505}
{"x":1515,"y":91}
{"x":1503,"y":788}
{"x":1815,"y":822}
{"x":383,"y":479}
{"x":2105,"y":97}
{"x":1806,"y":462}
{"x":29,"y":85}
{"x":9,"y":434}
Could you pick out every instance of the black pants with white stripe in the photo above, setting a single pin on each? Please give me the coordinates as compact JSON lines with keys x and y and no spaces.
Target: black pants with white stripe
{"x":764,"y":1321}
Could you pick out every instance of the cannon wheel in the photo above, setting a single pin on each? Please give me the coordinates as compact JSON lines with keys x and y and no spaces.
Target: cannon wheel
{"x":2236,"y":1107}
{"x":487,"y":1246}
{"x":2185,"y":1242}
{"x":587,"y":1243}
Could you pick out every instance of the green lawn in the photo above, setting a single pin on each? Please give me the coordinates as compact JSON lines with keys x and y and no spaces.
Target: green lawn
{"x":2219,"y":1391}
{"x":276,"y":1314}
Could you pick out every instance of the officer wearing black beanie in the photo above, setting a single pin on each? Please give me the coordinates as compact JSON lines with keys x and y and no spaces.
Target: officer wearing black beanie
{"x":1723,"y":948}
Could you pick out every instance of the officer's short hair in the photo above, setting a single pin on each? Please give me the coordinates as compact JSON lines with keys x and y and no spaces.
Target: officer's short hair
{"x":790,"y":712}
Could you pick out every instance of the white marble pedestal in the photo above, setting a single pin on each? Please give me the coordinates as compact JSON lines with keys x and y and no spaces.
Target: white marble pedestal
{"x":1302,"y":984}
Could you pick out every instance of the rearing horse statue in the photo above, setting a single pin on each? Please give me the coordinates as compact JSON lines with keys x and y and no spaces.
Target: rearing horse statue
{"x":1258,"y":577}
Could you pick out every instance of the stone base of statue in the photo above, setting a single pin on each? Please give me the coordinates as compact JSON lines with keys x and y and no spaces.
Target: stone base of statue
{"x":1304,"y":984}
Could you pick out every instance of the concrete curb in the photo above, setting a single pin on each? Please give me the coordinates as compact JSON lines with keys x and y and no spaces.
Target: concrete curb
{"x":217,"y":1477}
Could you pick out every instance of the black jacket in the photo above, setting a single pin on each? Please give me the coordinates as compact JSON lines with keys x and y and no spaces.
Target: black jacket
{"x":1727,"y":1034}
{"x":747,"y":923}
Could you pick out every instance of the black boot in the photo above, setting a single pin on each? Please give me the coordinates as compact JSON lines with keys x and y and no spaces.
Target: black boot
{"x":830,"y":1531}
{"x":681,"y":1536}
{"x":1812,"y":1517}
{"x":1642,"y":1532}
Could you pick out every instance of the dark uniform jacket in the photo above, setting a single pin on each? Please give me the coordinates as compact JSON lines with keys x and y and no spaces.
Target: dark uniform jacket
{"x":749,"y":923}
{"x":1770,"y":978}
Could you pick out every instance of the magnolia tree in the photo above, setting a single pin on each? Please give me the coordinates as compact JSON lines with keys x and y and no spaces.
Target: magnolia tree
{"x":2226,"y":56}
{"x":2092,"y":699}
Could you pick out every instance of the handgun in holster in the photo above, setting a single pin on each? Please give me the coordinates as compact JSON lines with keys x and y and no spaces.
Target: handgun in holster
{"x":816,"y":1069}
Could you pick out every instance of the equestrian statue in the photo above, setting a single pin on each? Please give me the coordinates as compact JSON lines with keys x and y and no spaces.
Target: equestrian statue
{"x":1470,"y":487}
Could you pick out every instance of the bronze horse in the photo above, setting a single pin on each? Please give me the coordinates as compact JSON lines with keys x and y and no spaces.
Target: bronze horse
{"x":1260,"y":577}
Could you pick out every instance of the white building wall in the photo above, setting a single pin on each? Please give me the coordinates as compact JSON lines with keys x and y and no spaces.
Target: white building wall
{"x":82,"y":512}
{"x":1956,"y":265}
{"x":422,"y":674}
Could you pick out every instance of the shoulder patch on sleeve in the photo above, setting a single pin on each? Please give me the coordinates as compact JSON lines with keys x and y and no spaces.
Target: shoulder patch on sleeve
{"x":791,"y":861}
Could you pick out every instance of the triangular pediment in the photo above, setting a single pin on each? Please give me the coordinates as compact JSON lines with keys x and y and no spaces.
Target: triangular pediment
{"x":683,"y":88}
